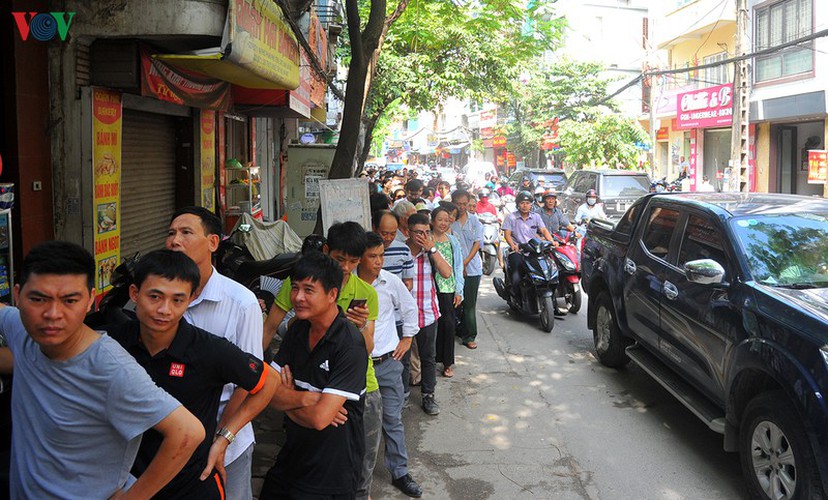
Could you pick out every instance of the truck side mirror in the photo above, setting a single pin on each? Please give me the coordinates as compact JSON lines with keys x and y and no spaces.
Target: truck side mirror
{"x":704,"y":272}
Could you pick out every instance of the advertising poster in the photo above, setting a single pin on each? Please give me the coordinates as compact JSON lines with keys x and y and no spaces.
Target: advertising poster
{"x":817,"y":166}
{"x":106,"y":178}
{"x":710,"y":107}
{"x":208,"y":159}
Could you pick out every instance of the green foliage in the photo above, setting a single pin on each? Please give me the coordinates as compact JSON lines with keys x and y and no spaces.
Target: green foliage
{"x":608,"y":140}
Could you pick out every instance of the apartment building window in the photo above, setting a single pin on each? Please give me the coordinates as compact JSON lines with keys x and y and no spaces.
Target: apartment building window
{"x":779,"y":23}
{"x":716,"y":75}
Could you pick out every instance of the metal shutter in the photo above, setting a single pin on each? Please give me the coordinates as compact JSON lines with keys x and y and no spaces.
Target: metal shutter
{"x":148,"y":181}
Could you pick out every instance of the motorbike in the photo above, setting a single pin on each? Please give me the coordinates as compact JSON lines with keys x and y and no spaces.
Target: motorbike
{"x":491,"y":242}
{"x":506,"y":205}
{"x":568,"y":294}
{"x":538,"y":283}
{"x":237,"y":263}
{"x":110,"y":310}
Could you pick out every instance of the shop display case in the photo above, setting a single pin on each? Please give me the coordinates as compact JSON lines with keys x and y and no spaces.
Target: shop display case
{"x":243,"y":191}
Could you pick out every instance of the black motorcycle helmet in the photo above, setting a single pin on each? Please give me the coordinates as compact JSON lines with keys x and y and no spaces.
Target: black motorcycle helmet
{"x":313,"y":242}
{"x":524,"y":196}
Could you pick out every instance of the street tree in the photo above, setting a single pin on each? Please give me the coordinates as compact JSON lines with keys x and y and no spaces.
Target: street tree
{"x":439,"y":49}
{"x":608,"y":140}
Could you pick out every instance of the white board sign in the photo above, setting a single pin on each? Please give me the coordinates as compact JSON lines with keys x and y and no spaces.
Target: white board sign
{"x":345,"y":200}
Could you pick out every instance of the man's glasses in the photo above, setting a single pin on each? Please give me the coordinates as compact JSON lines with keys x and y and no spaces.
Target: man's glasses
{"x":424,"y":232}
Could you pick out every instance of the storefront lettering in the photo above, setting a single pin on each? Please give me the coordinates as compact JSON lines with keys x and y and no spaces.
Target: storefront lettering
{"x":706,"y":100}
{"x":106,"y":190}
{"x":104,"y":245}
{"x":106,"y":138}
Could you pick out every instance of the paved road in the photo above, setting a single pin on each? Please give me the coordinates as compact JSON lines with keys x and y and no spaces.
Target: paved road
{"x":534,"y":415}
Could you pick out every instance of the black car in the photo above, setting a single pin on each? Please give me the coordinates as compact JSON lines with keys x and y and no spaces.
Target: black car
{"x":617,"y":190}
{"x":723,"y":299}
{"x":552,"y":178}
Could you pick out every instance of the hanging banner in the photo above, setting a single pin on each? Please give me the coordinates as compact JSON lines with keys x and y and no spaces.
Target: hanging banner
{"x":319,"y":43}
{"x":710,"y":107}
{"x":107,"y":121}
{"x":817,"y":166}
{"x":208,"y":159}
{"x":179,"y":86}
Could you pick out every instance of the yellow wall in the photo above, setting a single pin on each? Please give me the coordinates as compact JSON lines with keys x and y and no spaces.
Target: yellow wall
{"x":762,"y":157}
{"x":683,"y":54}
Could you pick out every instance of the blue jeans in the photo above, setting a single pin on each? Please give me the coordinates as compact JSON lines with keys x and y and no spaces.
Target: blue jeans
{"x":390,"y":381}
{"x":238,"y":486}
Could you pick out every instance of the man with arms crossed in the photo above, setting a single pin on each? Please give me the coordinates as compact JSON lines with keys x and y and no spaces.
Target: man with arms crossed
{"x":324,"y":360}
{"x":227,"y":309}
{"x":192,"y":365}
{"x":81,"y":403}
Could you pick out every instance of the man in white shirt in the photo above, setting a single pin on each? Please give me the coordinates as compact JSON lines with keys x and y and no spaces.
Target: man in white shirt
{"x":389,"y":349}
{"x":226,"y":309}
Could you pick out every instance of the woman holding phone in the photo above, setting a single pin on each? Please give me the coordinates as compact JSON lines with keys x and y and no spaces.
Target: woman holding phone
{"x":449,"y":290}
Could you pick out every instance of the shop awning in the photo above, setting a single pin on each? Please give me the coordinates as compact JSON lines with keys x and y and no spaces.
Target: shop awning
{"x":258,"y":49}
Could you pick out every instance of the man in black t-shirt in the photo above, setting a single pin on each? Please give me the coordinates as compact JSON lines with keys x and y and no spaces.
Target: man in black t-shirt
{"x":193,"y":366}
{"x":323,"y":360}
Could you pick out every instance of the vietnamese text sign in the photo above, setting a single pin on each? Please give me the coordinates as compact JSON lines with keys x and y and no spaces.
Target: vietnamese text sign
{"x":106,"y":179}
{"x":167,"y":83}
{"x":208,"y":159}
{"x":710,"y":107}
{"x":345,"y":200}
{"x":817,"y":166}
{"x":262,"y":42}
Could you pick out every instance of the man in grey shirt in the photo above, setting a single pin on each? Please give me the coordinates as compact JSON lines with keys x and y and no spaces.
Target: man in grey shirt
{"x":80,"y":402}
{"x":468,"y":229}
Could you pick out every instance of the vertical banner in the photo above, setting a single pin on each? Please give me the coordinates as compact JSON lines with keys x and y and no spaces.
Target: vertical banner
{"x":221,"y":158}
{"x":107,"y":118}
{"x":208,"y":159}
{"x":693,"y":160}
{"x":817,"y":166}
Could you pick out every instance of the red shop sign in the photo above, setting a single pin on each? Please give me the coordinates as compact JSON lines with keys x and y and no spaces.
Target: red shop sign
{"x":710,"y":107}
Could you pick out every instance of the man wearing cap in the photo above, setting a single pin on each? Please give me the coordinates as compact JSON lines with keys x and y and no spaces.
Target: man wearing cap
{"x":553,"y":217}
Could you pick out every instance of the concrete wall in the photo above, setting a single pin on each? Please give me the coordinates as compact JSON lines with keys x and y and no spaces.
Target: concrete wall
{"x":147,"y":18}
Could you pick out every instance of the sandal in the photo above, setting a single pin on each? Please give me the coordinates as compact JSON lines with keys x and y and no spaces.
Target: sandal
{"x":471,"y":345}
{"x":448,"y":372}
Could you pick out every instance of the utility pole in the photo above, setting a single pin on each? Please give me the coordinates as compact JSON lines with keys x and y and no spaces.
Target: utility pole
{"x":739,"y":172}
{"x":651,"y":63}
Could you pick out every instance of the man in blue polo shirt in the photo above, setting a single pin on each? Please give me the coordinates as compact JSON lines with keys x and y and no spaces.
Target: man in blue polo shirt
{"x":519,"y":227}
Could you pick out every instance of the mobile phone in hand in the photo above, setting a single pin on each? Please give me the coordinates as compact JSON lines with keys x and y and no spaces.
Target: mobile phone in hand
{"x":358,"y":303}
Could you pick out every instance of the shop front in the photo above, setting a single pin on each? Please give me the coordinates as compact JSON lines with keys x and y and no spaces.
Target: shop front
{"x":795,"y":125}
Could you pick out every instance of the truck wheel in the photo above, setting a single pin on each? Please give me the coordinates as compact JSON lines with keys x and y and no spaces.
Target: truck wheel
{"x":610,"y":345}
{"x":777,"y":459}
{"x":546,"y":311}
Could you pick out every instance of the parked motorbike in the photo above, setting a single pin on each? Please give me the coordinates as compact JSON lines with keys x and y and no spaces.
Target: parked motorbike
{"x":110,"y":310}
{"x":538,"y":283}
{"x":237,"y":263}
{"x":491,"y":242}
{"x":568,"y":294}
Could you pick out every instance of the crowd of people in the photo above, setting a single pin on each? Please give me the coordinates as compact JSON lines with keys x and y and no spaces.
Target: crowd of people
{"x":161,"y":406}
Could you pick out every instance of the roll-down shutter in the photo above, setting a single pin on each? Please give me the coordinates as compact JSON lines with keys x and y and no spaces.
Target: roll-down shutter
{"x":148,"y":181}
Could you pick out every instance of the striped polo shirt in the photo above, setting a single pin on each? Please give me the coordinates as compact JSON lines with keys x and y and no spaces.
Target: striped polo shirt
{"x":398,"y":260}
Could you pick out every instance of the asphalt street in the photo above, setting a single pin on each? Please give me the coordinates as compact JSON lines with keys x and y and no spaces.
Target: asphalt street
{"x":533,"y":415}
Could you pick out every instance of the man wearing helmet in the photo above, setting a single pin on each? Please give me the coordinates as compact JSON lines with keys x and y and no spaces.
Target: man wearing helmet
{"x":483,"y":205}
{"x":519,"y":227}
{"x":553,"y":217}
{"x":591,"y":209}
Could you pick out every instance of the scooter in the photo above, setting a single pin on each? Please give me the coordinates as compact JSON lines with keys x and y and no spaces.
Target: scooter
{"x":238,"y":264}
{"x":506,"y":205}
{"x":537,"y":286}
{"x":110,"y":310}
{"x":491,"y":242}
{"x":568,"y":294}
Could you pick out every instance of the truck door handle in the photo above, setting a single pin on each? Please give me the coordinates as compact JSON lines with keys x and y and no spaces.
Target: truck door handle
{"x":670,"y":290}
{"x":629,"y":267}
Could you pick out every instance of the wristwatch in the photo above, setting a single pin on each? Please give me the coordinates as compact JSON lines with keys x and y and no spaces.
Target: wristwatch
{"x":433,"y":250}
{"x":226,"y":434}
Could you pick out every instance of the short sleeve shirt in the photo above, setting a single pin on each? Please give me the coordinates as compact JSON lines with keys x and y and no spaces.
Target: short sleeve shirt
{"x":468,"y":234}
{"x":355,"y":288}
{"x":554,"y":221}
{"x":398,"y":260}
{"x":325,"y":462}
{"x":523,"y":230}
{"x":78,"y":422}
{"x":194,"y":370}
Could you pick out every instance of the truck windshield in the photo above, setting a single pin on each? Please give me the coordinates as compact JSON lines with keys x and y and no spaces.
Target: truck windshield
{"x":788,"y":250}
{"x":632,"y":186}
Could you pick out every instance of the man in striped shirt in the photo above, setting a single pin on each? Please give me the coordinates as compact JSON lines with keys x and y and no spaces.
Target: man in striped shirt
{"x":421,"y":244}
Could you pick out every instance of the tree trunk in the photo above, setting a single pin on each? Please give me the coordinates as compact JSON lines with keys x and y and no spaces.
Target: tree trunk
{"x":368,"y":125}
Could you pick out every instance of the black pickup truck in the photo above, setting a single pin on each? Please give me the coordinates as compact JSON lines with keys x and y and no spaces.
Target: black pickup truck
{"x":723,"y":299}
